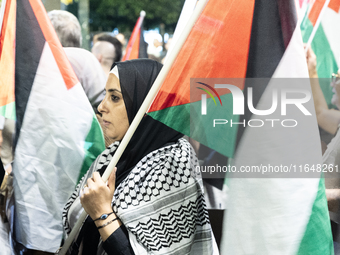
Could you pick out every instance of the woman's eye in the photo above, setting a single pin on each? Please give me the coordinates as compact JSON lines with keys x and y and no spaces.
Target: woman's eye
{"x":114,"y":98}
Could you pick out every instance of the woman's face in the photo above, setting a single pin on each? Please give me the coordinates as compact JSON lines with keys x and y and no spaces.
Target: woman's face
{"x":115,"y":121}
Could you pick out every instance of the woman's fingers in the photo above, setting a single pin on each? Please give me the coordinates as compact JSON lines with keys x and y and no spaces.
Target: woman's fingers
{"x":90,"y":182}
{"x":96,"y":184}
{"x":96,"y":177}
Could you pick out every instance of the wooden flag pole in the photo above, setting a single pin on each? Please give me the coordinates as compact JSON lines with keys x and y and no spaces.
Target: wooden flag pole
{"x":140,"y":114}
{"x":315,"y":28}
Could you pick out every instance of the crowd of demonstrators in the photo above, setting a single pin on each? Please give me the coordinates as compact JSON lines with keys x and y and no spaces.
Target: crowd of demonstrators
{"x":154,"y":200}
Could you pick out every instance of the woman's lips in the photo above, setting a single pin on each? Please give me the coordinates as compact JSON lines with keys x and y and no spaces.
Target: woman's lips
{"x":106,"y":123}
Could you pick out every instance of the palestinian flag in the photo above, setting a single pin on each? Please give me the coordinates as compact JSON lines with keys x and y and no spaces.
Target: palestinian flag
{"x":57,"y":133}
{"x":136,"y":47}
{"x":174,"y":98}
{"x":7,"y":55}
{"x":326,"y":42}
{"x":275,"y":212}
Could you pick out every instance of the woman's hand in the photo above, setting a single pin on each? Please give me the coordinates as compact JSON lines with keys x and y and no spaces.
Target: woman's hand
{"x":96,"y":198}
{"x":311,"y":63}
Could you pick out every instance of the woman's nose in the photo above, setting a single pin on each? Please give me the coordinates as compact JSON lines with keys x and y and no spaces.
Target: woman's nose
{"x":101,"y":106}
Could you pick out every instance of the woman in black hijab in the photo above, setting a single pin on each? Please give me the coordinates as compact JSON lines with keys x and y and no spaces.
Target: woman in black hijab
{"x":153,"y":202}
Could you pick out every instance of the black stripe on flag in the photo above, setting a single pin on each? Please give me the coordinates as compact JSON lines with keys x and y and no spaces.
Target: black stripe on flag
{"x":30,"y":42}
{"x":271,"y":30}
{"x":142,"y":51}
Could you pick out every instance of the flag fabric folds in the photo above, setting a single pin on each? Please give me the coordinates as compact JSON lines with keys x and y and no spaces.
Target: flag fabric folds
{"x":57,"y":133}
{"x":136,"y":47}
{"x":326,"y":41}
{"x":277,"y":215}
{"x":273,"y":213}
{"x":214,"y":49}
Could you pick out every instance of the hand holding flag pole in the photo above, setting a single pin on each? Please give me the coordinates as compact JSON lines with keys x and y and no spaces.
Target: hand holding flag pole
{"x":140,"y":114}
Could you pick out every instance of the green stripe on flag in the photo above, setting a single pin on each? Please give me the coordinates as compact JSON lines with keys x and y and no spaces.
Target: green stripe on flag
{"x":222,"y":136}
{"x":326,"y":64}
{"x":188,"y":120}
{"x":94,"y":145}
{"x":318,"y":239}
{"x":176,"y":117}
{"x":8,"y":111}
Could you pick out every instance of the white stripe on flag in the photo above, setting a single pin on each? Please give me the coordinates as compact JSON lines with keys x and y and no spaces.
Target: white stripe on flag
{"x":49,"y":155}
{"x":270,"y":215}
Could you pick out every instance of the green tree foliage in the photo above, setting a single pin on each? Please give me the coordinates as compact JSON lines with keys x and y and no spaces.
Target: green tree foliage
{"x":107,"y":14}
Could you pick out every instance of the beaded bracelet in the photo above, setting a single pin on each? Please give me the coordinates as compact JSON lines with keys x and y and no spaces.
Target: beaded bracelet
{"x":103,"y":216}
{"x":107,"y":223}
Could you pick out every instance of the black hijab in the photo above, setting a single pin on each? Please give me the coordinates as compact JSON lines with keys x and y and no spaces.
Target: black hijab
{"x":136,"y":78}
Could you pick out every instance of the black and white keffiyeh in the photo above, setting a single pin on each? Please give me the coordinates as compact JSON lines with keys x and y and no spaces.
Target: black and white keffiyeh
{"x":160,"y":202}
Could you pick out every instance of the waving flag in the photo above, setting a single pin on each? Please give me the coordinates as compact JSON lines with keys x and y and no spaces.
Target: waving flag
{"x":57,"y":133}
{"x":136,"y":47}
{"x":326,"y":41}
{"x":271,"y":213}
{"x":210,"y":34}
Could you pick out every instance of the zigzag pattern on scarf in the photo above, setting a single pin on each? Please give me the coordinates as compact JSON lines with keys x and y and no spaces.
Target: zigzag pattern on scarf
{"x":173,"y":227}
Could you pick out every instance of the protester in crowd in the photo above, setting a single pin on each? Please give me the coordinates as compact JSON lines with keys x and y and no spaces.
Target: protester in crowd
{"x":106,"y":37}
{"x":85,"y":65}
{"x":328,"y":119}
{"x":153,"y":201}
{"x":107,"y":49}
{"x":89,"y":73}
{"x":67,"y":27}
{"x":105,"y":53}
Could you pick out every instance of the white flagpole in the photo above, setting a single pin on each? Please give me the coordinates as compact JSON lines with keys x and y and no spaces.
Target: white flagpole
{"x":187,"y":11}
{"x":140,"y":114}
{"x":315,"y":28}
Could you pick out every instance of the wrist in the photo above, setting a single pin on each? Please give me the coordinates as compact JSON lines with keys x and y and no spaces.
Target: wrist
{"x":100,"y":212}
{"x":103,"y":216}
{"x":110,"y":217}
{"x":313,"y":74}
